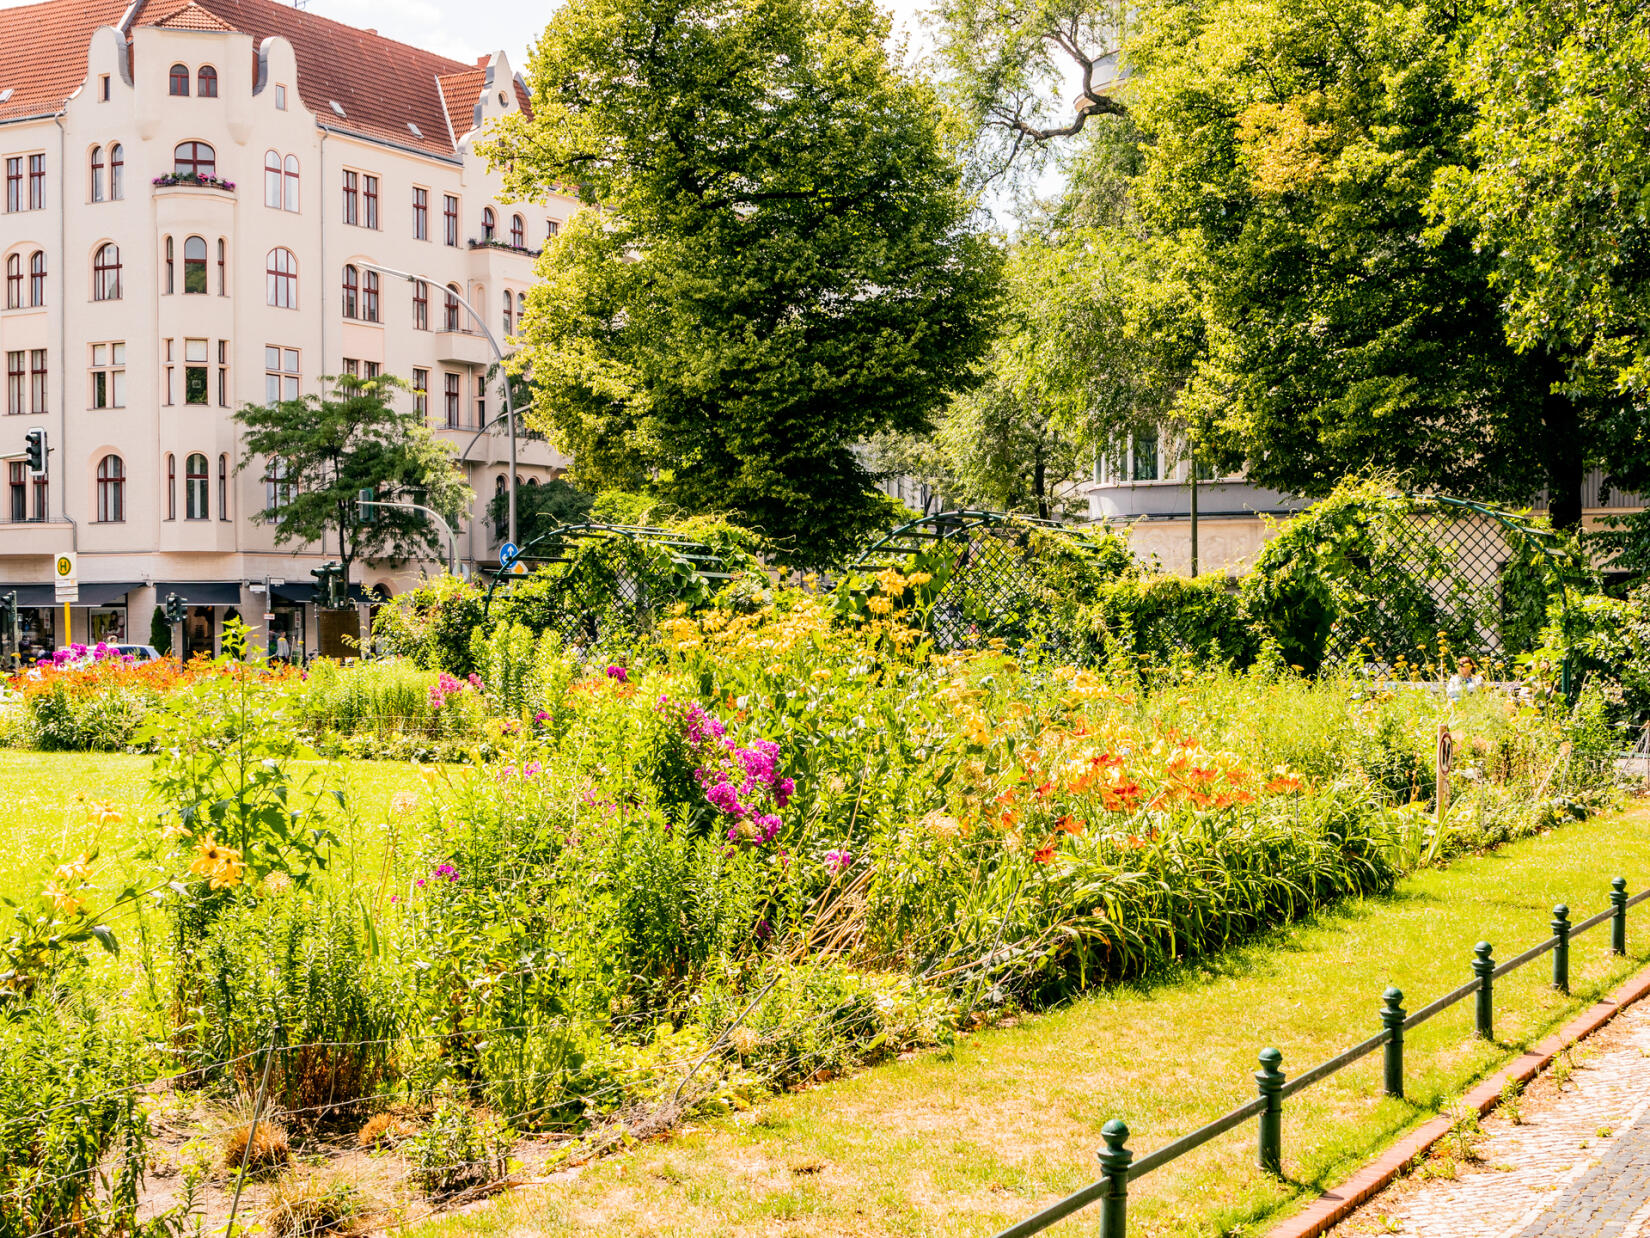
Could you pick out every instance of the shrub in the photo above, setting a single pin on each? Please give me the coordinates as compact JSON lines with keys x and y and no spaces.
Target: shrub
{"x":1168,"y":621}
{"x":457,"y":1149}
{"x":296,"y":967}
{"x":73,"y":1131}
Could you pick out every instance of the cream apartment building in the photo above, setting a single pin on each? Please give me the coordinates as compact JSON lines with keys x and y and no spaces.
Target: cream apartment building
{"x":193,"y":195}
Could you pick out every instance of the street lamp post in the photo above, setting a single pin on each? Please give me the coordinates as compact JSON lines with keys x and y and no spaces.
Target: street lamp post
{"x":452,"y":542}
{"x":509,"y":403}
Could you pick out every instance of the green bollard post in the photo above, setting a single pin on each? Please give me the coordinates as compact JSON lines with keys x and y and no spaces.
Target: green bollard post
{"x":1114,"y":1167}
{"x":1561,"y":952}
{"x":1269,"y":1079}
{"x":1392,"y":1018}
{"x":1483,"y":966}
{"x":1618,"y":921}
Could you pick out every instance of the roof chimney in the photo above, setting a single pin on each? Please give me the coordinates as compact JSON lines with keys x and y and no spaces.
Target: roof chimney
{"x":481,"y":61}
{"x":372,"y":29}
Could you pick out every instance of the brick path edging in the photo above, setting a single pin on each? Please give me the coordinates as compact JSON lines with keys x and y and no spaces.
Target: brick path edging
{"x":1337,"y":1203}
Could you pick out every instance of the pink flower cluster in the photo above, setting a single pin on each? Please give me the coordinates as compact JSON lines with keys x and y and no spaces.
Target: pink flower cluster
{"x":530,"y":770}
{"x":447,"y":686}
{"x":619,"y":673}
{"x":72,"y":655}
{"x":739,"y":782}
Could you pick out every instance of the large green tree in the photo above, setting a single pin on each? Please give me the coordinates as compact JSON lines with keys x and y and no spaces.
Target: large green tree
{"x":1557,"y":193}
{"x":780,"y":262}
{"x":324,"y":453}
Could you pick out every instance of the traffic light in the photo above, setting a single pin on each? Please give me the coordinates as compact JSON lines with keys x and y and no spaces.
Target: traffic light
{"x":174,"y":608}
{"x":8,"y":623}
{"x":34,"y":449}
{"x":329,"y":586}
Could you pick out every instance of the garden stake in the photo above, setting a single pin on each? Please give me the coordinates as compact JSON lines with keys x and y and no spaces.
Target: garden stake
{"x":1618,"y":922}
{"x":1269,"y":1079}
{"x":1561,"y":952}
{"x":1392,"y":1018}
{"x":1114,"y":1165}
{"x":251,"y":1135}
{"x":1483,"y":966}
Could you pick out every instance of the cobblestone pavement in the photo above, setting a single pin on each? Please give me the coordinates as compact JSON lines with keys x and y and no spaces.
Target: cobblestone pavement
{"x":1577,"y":1166}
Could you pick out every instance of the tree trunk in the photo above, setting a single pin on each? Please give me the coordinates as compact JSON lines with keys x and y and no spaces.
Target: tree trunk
{"x":1566,"y":459}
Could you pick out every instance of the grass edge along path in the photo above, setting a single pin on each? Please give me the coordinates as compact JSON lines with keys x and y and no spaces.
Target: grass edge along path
{"x":965,"y":1141}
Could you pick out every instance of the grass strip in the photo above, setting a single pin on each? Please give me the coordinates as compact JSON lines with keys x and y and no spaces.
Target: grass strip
{"x":966,"y":1141}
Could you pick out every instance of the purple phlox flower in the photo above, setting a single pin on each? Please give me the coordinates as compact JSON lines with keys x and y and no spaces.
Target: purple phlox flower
{"x":724,"y":797}
{"x":758,"y":762}
{"x":763,"y":929}
{"x":421,"y":883}
{"x":783,"y":791}
{"x":509,"y":771}
{"x":619,"y":673}
{"x":839,"y":859}
{"x":532,"y":769}
{"x":541,"y":716}
{"x":475,"y":682}
{"x":395,"y":898}
{"x":769,"y":825}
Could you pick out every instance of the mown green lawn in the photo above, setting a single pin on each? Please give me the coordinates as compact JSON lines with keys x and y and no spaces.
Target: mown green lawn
{"x":43,"y":813}
{"x":963,"y":1143}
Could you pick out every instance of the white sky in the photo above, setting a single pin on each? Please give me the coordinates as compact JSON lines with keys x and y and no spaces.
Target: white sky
{"x":464,"y":30}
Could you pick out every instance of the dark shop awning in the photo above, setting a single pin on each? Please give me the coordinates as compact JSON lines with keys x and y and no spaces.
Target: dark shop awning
{"x":103,"y":592}
{"x":32,"y":595}
{"x":200,"y":592}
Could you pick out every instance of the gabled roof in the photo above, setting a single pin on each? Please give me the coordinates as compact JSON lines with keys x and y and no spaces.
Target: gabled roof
{"x":459,"y":92}
{"x":43,"y":52}
{"x":189,"y":16}
{"x":356,"y":81}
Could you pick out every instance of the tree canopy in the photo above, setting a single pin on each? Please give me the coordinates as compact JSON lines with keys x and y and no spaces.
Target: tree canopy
{"x":324,"y":453}
{"x":782,"y":263}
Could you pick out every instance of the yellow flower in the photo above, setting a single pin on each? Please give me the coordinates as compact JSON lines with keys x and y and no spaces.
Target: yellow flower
{"x":879,"y":605}
{"x":72,"y":873}
{"x":63,"y":901}
{"x":222,"y":866}
{"x":103,"y":812}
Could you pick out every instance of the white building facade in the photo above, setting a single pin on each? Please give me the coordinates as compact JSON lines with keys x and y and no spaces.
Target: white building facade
{"x":194,"y":196}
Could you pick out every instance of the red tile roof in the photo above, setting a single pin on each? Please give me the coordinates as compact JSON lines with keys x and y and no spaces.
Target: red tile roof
{"x":459,"y":92}
{"x":43,"y":52}
{"x":189,"y":16}
{"x":381,"y":85}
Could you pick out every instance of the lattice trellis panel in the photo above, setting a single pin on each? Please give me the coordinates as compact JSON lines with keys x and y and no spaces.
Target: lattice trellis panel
{"x":990,"y":590}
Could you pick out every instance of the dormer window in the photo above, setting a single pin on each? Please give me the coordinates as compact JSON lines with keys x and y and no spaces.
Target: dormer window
{"x":206,"y":82}
{"x":178,"y":80}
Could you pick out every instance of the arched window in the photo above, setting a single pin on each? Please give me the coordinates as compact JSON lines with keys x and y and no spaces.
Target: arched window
{"x":37,"y":278}
{"x":171,"y":486}
{"x":223,"y":276}
{"x":272,"y":179}
{"x":14,"y":281}
{"x":195,"y":499}
{"x":97,"y":174}
{"x":117,"y":172}
{"x":178,"y":80}
{"x":167,"y":288}
{"x":194,"y":159}
{"x":449,"y":317}
{"x":352,"y":291}
{"x":489,"y":223}
{"x":223,"y":487}
{"x":509,"y":312}
{"x":521,"y":310}
{"x":111,"y":490}
{"x":206,"y":82}
{"x":194,"y":265}
{"x":290,"y":202}
{"x":518,"y":232}
{"x":369,"y":296}
{"x":281,"y":271}
{"x":106,"y":273}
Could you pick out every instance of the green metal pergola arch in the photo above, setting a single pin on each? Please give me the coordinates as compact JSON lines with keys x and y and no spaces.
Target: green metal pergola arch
{"x":614,"y":580}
